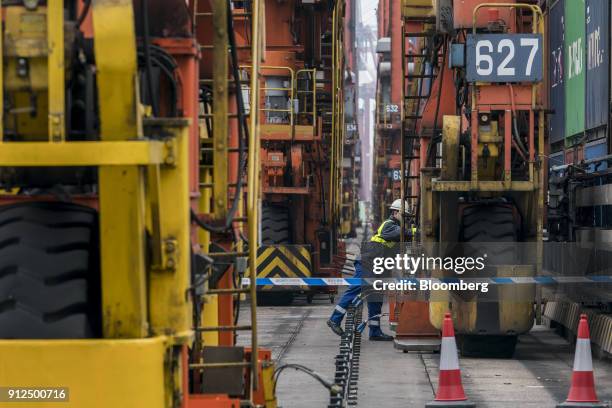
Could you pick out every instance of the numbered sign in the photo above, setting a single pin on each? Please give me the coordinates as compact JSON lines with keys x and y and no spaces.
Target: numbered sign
{"x":504,"y":57}
{"x":391,"y":108}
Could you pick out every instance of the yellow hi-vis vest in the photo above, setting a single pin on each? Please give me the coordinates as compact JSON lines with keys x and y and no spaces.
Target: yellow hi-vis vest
{"x":378,"y":237}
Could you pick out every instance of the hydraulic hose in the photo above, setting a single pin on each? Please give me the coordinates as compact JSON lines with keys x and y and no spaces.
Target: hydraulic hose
{"x":168,"y":66}
{"x":334,"y":388}
{"x":147,"y":55}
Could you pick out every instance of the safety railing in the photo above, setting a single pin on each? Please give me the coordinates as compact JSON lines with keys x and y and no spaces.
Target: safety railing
{"x":287,"y":102}
{"x":306,"y":95}
{"x":273,"y":112}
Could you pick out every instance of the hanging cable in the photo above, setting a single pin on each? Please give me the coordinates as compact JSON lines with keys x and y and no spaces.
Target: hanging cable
{"x":147,"y":56}
{"x":334,"y":388}
{"x":164,"y":61}
{"x":243,"y":131}
{"x":84,"y":12}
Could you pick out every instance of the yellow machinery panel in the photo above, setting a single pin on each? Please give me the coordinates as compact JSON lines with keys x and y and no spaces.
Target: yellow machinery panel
{"x":97,"y":373}
{"x":515,"y":305}
{"x":418,"y":8}
{"x":286,"y":261}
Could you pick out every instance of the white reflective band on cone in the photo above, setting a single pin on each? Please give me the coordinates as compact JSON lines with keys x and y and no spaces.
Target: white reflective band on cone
{"x":374,"y":323}
{"x":448,"y":354}
{"x":340,"y":309}
{"x":582,"y":359}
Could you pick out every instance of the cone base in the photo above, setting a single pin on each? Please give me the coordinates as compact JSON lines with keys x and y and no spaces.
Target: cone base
{"x":450,"y":404}
{"x":567,"y":404}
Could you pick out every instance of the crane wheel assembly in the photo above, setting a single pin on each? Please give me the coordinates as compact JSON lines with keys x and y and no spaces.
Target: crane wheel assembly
{"x":49,"y":257}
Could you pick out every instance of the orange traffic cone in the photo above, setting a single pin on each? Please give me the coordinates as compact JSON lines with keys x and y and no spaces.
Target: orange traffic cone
{"x":450,"y":390}
{"x":582,"y":390}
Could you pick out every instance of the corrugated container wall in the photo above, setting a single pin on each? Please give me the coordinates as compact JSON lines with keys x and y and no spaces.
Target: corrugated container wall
{"x":597,"y":63}
{"x":595,"y":150}
{"x":556,"y":63}
{"x":575,"y":53}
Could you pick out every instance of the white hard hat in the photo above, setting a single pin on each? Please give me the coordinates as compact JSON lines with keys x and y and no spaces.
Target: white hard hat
{"x":397,"y":206}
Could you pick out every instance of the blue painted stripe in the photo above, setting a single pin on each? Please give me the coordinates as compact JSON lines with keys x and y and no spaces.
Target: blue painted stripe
{"x":355,"y":281}
{"x":545,"y":280}
{"x":502,"y":281}
{"x":315,"y":281}
{"x":600,"y":278}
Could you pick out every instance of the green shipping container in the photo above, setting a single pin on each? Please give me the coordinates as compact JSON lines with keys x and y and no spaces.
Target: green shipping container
{"x":575,"y":68}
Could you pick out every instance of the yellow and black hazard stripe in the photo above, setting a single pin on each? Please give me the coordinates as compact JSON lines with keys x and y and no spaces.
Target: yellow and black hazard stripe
{"x":284,"y":261}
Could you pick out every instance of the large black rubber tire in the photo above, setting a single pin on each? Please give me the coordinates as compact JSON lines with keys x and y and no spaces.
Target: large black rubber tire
{"x":278,"y":297}
{"x":275,"y":230}
{"x":275,"y":225}
{"x":486,"y":224}
{"x":490,"y":224}
{"x":49,"y":271}
{"x":487,"y":346}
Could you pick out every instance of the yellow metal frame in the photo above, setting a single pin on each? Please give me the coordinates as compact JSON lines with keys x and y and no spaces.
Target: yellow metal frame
{"x":418,"y":9}
{"x":56,"y":82}
{"x":253,"y":176}
{"x":290,"y":89}
{"x":293,"y":129}
{"x":220,"y":108}
{"x":146,"y":313}
{"x":106,"y":153}
{"x":122,"y":188}
{"x":143,"y":186}
{"x":312,"y":93}
{"x":98,"y":373}
{"x":338,"y":128}
{"x":122,"y":165}
{"x":2,"y":85}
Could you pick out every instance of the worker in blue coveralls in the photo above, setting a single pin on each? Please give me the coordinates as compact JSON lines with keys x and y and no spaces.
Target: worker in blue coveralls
{"x":386,"y":237}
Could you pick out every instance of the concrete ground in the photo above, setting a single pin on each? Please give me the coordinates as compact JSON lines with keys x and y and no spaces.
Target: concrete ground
{"x":537,"y":377}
